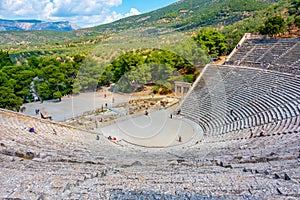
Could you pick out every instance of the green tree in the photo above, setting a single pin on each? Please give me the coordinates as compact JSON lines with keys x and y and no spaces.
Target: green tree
{"x":70,"y":70}
{"x":78,"y":59}
{"x":4,"y":59}
{"x":48,"y":61}
{"x":212,"y":41}
{"x":294,"y":7}
{"x":272,"y":26}
{"x":89,"y":75}
{"x":8,"y":99}
{"x":76,"y":86}
{"x":162,"y":73}
{"x":21,"y":78}
{"x":297,"y":21}
{"x":44,"y":91}
{"x":51,"y":80}
{"x":125,"y":63}
{"x":57,"y":95}
{"x":33,"y":62}
{"x":135,"y":78}
{"x":190,"y":53}
{"x":3,"y":78}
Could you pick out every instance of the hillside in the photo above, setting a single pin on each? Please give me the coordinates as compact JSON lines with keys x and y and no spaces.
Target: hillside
{"x":190,"y":14}
{"x":184,"y":15}
{"x":288,"y":10}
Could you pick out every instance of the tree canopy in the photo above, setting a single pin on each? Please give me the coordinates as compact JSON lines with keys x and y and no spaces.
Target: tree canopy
{"x":156,"y":66}
{"x":212,"y":41}
{"x":56,"y":77}
{"x":47,"y":78}
{"x":273,"y":25}
{"x":4,"y":59}
{"x":8,"y":98}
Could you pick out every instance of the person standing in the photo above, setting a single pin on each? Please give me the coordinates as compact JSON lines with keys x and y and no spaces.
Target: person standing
{"x":251,"y":133}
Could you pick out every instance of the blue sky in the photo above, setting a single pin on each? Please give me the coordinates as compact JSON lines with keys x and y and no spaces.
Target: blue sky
{"x":84,"y":13}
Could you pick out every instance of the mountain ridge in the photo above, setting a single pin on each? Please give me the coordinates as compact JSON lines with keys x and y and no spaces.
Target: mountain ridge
{"x":34,"y":24}
{"x":182,"y":16}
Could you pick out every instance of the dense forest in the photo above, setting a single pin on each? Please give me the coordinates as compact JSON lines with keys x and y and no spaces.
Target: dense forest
{"x":61,"y":67}
{"x":42,"y":78}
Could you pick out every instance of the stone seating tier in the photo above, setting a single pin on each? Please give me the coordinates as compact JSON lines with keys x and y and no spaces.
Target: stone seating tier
{"x":277,"y":54}
{"x":261,"y":98}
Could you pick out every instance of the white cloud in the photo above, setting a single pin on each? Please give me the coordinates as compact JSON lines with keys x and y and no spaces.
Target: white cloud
{"x":115,"y":16}
{"x":80,"y":12}
{"x":19,"y":8}
{"x":133,"y":11}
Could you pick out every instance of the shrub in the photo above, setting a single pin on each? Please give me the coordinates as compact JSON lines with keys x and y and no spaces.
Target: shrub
{"x":155,"y":89}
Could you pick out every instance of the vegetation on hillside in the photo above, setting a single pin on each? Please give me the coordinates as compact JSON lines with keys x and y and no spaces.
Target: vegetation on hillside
{"x":49,"y":65}
{"x":133,"y":70}
{"x":212,"y":41}
{"x":272,"y":26}
{"x":191,"y":14}
{"x":286,"y":10}
{"x":4,"y":58}
{"x":130,"y":60}
{"x":185,"y":15}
